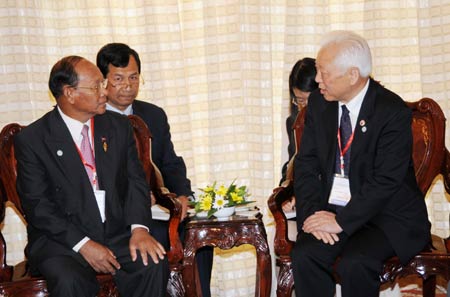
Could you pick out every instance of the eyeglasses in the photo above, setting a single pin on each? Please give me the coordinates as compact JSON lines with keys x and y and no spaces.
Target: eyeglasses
{"x":101,"y":85}
{"x":121,"y":82}
{"x":298,"y":101}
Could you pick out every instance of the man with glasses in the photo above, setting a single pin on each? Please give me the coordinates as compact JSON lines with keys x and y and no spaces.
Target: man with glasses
{"x":121,"y":65}
{"x":357,"y":197}
{"x":84,"y":192}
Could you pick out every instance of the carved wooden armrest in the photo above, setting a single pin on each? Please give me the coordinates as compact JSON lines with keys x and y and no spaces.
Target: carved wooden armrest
{"x":282,"y":245}
{"x":445,"y":170}
{"x":6,"y":271}
{"x":170,"y":201}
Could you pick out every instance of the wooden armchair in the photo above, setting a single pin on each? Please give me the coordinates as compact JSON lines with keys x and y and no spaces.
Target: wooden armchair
{"x":15,"y":281}
{"x":431,"y":158}
{"x":164,"y":198}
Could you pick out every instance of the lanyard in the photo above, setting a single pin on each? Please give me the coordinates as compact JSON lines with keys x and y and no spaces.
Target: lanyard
{"x":343,"y":151}
{"x":92,"y":167}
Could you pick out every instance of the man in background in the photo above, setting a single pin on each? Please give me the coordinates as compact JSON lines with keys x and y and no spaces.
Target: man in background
{"x":356,"y":193}
{"x":84,"y":193}
{"x":121,"y":65}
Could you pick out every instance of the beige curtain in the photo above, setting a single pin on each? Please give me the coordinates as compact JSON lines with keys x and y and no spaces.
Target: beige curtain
{"x":219,"y":69}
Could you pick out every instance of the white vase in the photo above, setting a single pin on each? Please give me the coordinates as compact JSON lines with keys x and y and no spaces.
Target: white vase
{"x":224,"y":212}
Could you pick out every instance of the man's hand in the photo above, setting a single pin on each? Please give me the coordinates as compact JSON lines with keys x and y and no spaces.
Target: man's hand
{"x":328,"y":238}
{"x":288,"y":205}
{"x":322,"y":221}
{"x":143,"y":242}
{"x":152,"y":198}
{"x":99,"y":257}
{"x":184,"y":206}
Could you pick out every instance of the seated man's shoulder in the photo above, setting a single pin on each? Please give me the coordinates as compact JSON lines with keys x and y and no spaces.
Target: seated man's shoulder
{"x":113,"y":121}
{"x":113,"y":116}
{"x":147,"y":107}
{"x":37,"y":127}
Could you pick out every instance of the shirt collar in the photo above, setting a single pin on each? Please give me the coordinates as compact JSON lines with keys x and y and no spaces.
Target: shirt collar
{"x":127,"y":111}
{"x":354,"y":105}
{"x":74,"y":126}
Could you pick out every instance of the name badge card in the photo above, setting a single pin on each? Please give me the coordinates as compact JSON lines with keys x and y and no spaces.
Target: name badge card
{"x":340,"y":192}
{"x":100,"y":197}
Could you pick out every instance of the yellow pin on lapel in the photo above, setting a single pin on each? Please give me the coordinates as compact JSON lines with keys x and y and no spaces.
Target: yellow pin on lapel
{"x":105,"y":145}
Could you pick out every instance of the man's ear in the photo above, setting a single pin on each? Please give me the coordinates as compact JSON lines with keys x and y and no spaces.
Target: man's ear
{"x":354,"y":75}
{"x":69,"y":93}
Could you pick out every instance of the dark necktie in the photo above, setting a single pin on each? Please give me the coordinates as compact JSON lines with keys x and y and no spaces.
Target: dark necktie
{"x":86,"y":152}
{"x":345,"y":129}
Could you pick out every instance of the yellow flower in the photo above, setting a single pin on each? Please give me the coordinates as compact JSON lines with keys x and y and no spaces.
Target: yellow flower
{"x":206,"y":202}
{"x":222,"y":191}
{"x":236,"y":198}
{"x":216,"y":197}
{"x":208,"y":189}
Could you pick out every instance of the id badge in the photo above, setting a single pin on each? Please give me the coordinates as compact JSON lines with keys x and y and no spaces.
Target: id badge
{"x":100,"y":197}
{"x":340,"y":192}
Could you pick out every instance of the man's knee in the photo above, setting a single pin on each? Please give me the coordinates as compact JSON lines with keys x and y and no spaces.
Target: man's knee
{"x":356,"y":265}
{"x":303,"y":252}
{"x":67,"y":277}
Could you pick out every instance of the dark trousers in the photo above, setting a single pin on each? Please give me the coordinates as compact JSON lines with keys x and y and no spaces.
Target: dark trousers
{"x":204,"y":256}
{"x":68,"y":277}
{"x":361,"y":258}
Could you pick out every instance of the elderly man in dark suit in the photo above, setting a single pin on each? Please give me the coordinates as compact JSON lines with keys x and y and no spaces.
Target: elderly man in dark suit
{"x":121,"y":65}
{"x":357,"y":196}
{"x":84,"y":192}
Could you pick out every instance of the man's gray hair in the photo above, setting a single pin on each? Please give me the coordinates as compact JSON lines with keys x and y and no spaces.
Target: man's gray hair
{"x":353,"y":52}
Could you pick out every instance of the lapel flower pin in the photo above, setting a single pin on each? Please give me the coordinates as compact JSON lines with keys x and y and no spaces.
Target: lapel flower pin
{"x":362,"y":123}
{"x":104,"y":144}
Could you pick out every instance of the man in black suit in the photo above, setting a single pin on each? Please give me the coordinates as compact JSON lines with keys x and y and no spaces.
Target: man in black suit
{"x":121,"y":65}
{"x":87,"y":206}
{"x":357,"y":196}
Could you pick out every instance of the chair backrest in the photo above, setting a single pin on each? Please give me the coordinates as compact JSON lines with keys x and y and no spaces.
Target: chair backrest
{"x":8,"y":168}
{"x":430,"y":155}
{"x":163,"y":197}
{"x":7,"y":188}
{"x":143,"y":138}
{"x":297,"y":127}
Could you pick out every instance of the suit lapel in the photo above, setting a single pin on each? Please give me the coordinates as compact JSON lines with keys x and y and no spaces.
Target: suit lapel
{"x":103,"y":152}
{"x":329,"y":116}
{"x":363,"y":124}
{"x":61,"y":146}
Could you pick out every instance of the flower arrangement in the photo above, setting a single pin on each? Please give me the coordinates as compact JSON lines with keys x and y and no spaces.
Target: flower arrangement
{"x":216,"y":197}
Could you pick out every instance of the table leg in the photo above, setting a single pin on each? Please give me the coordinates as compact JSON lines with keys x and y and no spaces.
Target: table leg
{"x":263,"y":268}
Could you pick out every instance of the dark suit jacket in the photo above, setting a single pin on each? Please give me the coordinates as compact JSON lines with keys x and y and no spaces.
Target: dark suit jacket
{"x":382,"y":181}
{"x":172,"y":167}
{"x":290,"y":120}
{"x":56,"y":194}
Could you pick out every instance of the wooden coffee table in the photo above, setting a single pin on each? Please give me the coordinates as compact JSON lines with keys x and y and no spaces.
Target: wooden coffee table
{"x":225,"y":234}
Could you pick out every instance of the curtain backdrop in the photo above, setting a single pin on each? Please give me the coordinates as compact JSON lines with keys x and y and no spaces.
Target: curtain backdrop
{"x":220,"y":70}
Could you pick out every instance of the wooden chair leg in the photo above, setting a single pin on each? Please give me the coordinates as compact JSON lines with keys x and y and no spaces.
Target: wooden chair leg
{"x":429,"y":286}
{"x":175,"y":286}
{"x":285,"y":281}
